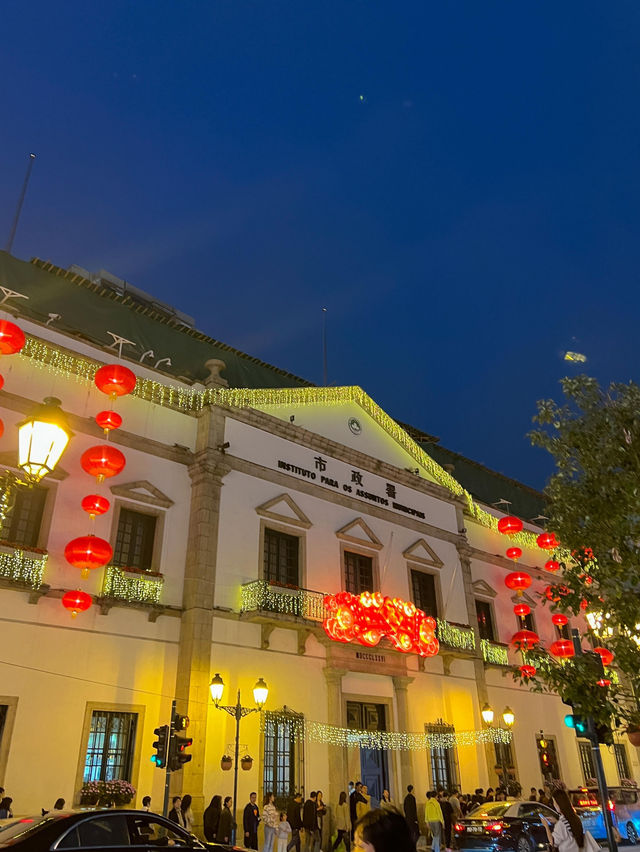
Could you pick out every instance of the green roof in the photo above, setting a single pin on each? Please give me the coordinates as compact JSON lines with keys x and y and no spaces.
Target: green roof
{"x":89,"y":310}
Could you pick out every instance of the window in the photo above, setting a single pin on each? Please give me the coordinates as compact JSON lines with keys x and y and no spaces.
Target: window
{"x":151,"y":831}
{"x":562,"y":631}
{"x":110,"y":747}
{"x":358,"y":572}
{"x":134,"y":540}
{"x":622,"y":762}
{"x":443,"y":761}
{"x":526,"y":622}
{"x":281,"y":558}
{"x":424,"y":592}
{"x":485,"y":620}
{"x":283,"y":753}
{"x":586,"y":761}
{"x":22,"y":522}
{"x":97,"y":831}
{"x":504,"y":755}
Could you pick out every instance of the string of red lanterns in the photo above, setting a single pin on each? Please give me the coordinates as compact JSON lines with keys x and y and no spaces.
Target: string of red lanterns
{"x":12,"y":340}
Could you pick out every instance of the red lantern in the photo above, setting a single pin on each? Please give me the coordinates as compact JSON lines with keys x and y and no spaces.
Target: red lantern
{"x":115,"y":380}
{"x":605,"y":655}
{"x":522,"y":610}
{"x":1,"y":382}
{"x":559,"y":619}
{"x":526,"y":640}
{"x":518,"y":581}
{"x":584,"y":604}
{"x":11,"y":338}
{"x":108,"y":420}
{"x":94,"y":504}
{"x":547,"y":541}
{"x":509,"y":525}
{"x":88,"y":552}
{"x":562,"y":648}
{"x":604,"y":681}
{"x":552,"y":565}
{"x":102,"y":461}
{"x":528,"y":671}
{"x":76,"y":602}
{"x":514,"y":553}
{"x":1,"y":428}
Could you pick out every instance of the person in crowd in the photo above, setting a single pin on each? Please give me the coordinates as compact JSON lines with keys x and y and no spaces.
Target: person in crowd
{"x":5,"y":807}
{"x":383,"y":831}
{"x":227,"y":823}
{"x":310,"y":822}
{"x":533,"y":795}
{"x":478,"y":797}
{"x":59,"y":804}
{"x":411,"y":814}
{"x":447,"y":816}
{"x":322,"y":812}
{"x":434,"y":820}
{"x":500,"y":795}
{"x":355,"y":797}
{"x":567,"y":834}
{"x":211,"y":818}
{"x":343,"y":823}
{"x":351,"y":787}
{"x":250,"y":822}
{"x":146,"y":803}
{"x":270,"y":820}
{"x":385,"y":802}
{"x":187,"y":813}
{"x":294,"y":819}
{"x":543,"y":796}
{"x":282,"y":832}
{"x":175,"y":814}
{"x":489,"y":797}
{"x":456,"y":807}
{"x":364,"y":804}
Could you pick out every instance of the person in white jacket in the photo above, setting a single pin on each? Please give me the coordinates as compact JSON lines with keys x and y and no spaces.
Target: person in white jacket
{"x":270,"y":820}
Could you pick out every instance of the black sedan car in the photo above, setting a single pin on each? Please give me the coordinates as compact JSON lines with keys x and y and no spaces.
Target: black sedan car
{"x":510,"y":826}
{"x":103,"y":829}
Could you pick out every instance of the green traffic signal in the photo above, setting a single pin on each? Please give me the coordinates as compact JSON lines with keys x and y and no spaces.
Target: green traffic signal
{"x":570,"y":721}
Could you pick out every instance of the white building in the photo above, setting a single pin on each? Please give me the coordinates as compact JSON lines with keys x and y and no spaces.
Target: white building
{"x":243,"y":488}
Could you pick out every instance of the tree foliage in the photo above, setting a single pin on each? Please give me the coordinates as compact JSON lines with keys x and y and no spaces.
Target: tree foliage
{"x":594,"y":510}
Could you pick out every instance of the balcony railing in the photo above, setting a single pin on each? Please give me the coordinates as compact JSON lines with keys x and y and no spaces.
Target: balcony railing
{"x":262,"y":595}
{"x":130,"y":584}
{"x":457,"y":636}
{"x":17,"y":567}
{"x":494,"y":652}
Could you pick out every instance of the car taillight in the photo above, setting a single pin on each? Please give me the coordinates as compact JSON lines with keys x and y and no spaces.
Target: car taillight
{"x":495,"y":827}
{"x":459,"y":827}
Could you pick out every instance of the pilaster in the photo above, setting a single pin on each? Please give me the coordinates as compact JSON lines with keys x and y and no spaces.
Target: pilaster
{"x":337,"y":762}
{"x":400,"y":688}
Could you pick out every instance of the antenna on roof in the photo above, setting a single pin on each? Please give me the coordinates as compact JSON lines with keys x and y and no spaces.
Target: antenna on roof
{"x":502,"y":502}
{"x":539,"y":518}
{"x":14,"y":226}
{"x":324,"y":347}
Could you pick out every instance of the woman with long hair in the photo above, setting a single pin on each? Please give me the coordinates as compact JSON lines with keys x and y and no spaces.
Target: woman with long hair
{"x":270,"y":819}
{"x":567,"y":834}
{"x":343,"y":823}
{"x":187,"y":813}
{"x":383,"y":831}
{"x":211,"y":818}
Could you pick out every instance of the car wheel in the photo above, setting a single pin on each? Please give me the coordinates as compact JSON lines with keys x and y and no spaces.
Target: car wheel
{"x":632,"y":834}
{"x":524,"y":844}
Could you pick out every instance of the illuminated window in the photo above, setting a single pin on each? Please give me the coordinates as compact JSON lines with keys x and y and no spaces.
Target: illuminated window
{"x":283,"y":754}
{"x":445,"y":773}
{"x":110,"y":748}
{"x":586,"y":761}
{"x":485,"y":620}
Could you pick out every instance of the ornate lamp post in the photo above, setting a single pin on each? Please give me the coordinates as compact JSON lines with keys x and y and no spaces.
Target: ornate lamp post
{"x":508,"y":719}
{"x":260,"y":694}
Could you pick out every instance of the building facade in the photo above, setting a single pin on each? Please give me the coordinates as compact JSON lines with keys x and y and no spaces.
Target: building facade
{"x":248,"y":496}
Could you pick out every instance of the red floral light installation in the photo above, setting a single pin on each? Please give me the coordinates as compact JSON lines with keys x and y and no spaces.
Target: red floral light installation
{"x":76,"y":602}
{"x":368,"y":618}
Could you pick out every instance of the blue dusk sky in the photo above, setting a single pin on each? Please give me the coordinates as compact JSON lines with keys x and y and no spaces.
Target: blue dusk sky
{"x":457,"y":182}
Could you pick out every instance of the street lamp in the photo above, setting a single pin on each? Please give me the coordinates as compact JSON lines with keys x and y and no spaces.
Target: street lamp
{"x":508,"y":719}
{"x":260,"y":695}
{"x":487,"y":714}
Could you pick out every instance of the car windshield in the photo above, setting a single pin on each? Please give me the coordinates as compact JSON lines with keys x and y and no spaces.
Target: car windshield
{"x":490,"y":810}
{"x":13,"y":828}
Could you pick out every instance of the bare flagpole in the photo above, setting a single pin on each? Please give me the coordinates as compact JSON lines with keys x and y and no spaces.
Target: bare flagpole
{"x":16,"y":218}
{"x":324,"y":346}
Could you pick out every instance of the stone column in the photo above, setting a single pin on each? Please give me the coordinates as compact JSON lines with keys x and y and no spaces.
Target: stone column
{"x":337,"y":763}
{"x":400,"y":687}
{"x":194,"y":653}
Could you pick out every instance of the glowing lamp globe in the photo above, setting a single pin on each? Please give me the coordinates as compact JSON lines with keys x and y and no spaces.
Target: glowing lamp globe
{"x":522,"y":609}
{"x":115,"y":380}
{"x":102,"y":461}
{"x":605,"y":655}
{"x":88,"y":552}
{"x":552,"y":565}
{"x":509,"y":525}
{"x":76,"y":602}
{"x":517,"y":581}
{"x":94,"y":504}
{"x":216,"y":688}
{"x":526,"y":640}
{"x":108,"y":420}
{"x":42,"y":438}
{"x":11,"y":338}
{"x":528,"y":671}
{"x":514,"y":553}
{"x":487,"y":714}
{"x":547,"y":541}
{"x":260,"y":693}
{"x":562,"y":648}
{"x":559,"y":619}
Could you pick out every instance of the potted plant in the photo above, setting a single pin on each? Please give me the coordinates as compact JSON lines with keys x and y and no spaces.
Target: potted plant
{"x":226,"y":762}
{"x":247,"y":762}
{"x":107,"y":793}
{"x":633,"y":732}
{"x":90,"y":793}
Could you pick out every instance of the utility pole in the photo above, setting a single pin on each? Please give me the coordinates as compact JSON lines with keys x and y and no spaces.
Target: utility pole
{"x":167,"y":775}
{"x":16,"y":218}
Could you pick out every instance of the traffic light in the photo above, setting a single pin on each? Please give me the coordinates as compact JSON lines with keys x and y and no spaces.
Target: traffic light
{"x":580,"y":724}
{"x":179,"y":723}
{"x":161,"y":746}
{"x":177,"y":756}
